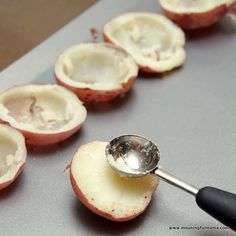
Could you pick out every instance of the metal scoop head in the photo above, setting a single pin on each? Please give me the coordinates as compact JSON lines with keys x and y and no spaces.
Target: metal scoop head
{"x":132,"y":155}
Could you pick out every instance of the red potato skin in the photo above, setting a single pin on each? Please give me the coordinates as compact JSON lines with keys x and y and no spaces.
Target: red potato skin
{"x":6,"y":184}
{"x":38,"y":139}
{"x":88,"y":95}
{"x":190,"y":21}
{"x":84,"y":200}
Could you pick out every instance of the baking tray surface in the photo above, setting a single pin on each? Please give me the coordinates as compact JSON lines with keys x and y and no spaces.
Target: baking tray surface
{"x":190,"y":113}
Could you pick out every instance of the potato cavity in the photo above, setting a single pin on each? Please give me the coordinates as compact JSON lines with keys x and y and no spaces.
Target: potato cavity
{"x":44,"y":111}
{"x":95,"y":66}
{"x":146,"y":37}
{"x":155,"y":43}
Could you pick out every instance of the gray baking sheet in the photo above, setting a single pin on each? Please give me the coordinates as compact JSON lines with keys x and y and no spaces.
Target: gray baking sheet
{"x":190,"y":113}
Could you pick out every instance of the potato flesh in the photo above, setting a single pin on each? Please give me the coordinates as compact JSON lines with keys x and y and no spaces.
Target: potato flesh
{"x":98,"y":66}
{"x":8,"y":149}
{"x":104,"y":188}
{"x":43,"y":112}
{"x":144,"y":36}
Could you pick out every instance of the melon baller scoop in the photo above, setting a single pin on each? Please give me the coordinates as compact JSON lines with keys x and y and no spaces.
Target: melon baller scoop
{"x":135,"y":156}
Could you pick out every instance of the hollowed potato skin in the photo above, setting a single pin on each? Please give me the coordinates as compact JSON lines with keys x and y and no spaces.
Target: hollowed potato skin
{"x":190,"y":21}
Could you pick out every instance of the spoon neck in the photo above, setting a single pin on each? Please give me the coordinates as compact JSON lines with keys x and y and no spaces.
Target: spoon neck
{"x":171,"y":179}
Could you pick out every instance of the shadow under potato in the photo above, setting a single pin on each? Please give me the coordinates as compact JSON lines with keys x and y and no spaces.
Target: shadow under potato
{"x":112,"y":105}
{"x":44,"y":151}
{"x":226,"y":26}
{"x":102,"y":225}
{"x":201,"y":33}
{"x":158,"y":75}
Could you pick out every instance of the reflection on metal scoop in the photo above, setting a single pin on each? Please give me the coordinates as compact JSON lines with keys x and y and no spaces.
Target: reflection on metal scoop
{"x":132,"y":156}
{"x":135,"y":156}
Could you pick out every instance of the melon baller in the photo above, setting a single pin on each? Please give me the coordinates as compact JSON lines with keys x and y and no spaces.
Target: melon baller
{"x":135,"y":156}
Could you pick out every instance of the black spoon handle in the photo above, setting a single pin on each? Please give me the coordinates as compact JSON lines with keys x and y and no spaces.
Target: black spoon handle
{"x":219,"y":204}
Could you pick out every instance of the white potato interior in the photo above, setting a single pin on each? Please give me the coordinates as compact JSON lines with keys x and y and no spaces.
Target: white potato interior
{"x":146,"y":36}
{"x":193,"y":5}
{"x":13,"y":153}
{"x":8,"y":149}
{"x":95,"y":66}
{"x":152,"y":39}
{"x":104,"y":188}
{"x":42,"y":108}
{"x":44,"y":111}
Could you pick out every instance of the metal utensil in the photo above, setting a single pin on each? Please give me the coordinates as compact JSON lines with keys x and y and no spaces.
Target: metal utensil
{"x":136,"y":156}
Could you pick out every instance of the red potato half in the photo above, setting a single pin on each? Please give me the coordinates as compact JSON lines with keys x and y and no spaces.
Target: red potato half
{"x":155,"y":43}
{"x":45,"y":114}
{"x":96,"y":72}
{"x":193,"y":14}
{"x":13,"y":155}
{"x":103,"y":191}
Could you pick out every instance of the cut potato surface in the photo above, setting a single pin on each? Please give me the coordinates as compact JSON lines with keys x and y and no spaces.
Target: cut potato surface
{"x":96,"y":72}
{"x":192,"y":14}
{"x":13,"y":155}
{"x":44,"y":113}
{"x":154,"y":41}
{"x":103,"y":191}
